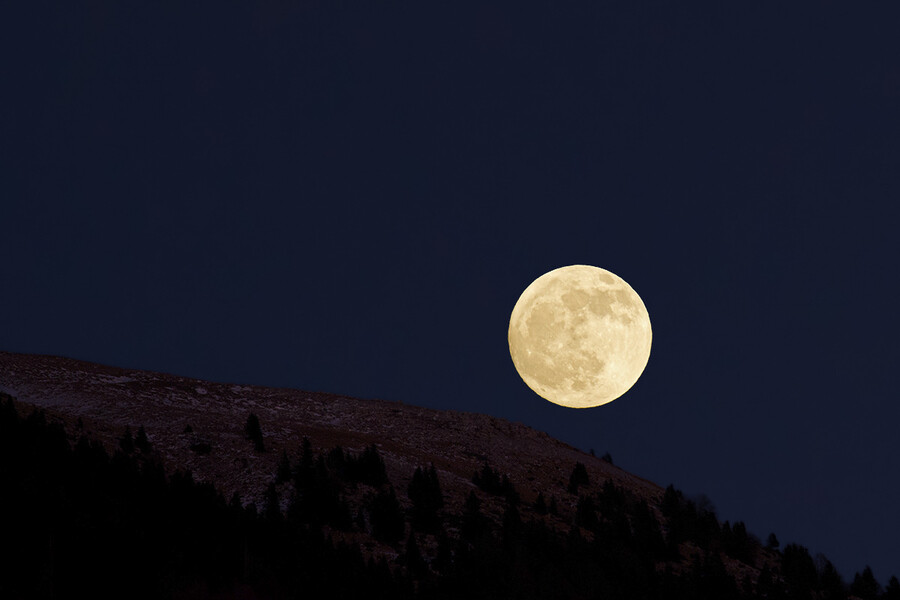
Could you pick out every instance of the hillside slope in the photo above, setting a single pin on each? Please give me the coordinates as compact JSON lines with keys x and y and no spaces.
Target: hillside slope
{"x":558,"y":513}
{"x":109,"y":399}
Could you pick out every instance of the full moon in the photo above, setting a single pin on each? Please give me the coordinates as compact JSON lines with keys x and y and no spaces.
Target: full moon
{"x":579,"y":336}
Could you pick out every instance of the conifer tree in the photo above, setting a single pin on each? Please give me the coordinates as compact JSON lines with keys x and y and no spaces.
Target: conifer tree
{"x":831,"y":583}
{"x":540,"y":505}
{"x":892,"y":591}
{"x":126,"y":442}
{"x":283,"y":472}
{"x":387,"y":518}
{"x":472,"y":526}
{"x":425,"y":492}
{"x":415,"y":564}
{"x":305,"y":464}
{"x":141,"y":441}
{"x":488,"y":480}
{"x":511,"y":526}
{"x":586,"y":513}
{"x":444,"y":557}
{"x":553,"y":509}
{"x":865,"y":586}
{"x":254,"y":433}
{"x":578,"y":478}
{"x":273,"y":505}
{"x":371,"y":468}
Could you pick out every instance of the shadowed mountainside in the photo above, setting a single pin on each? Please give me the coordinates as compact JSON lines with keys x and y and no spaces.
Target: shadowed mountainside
{"x":109,"y":399}
{"x":415,"y":502}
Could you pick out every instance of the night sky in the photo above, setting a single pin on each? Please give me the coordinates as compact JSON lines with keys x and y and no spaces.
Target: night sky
{"x":351,"y":200}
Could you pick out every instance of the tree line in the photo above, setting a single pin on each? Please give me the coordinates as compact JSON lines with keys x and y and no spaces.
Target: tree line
{"x":83,"y":521}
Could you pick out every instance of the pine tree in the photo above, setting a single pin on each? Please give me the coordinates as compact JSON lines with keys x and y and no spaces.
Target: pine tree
{"x":425,"y":492}
{"x":371,"y":468}
{"x":508,"y":491}
{"x":305,"y":464}
{"x":892,"y":591}
{"x":586,"y":513}
{"x":141,"y":441}
{"x":283,"y":472}
{"x":865,"y":586}
{"x":473,"y":525}
{"x":553,"y":509}
{"x":578,"y":478}
{"x":772,"y":541}
{"x":126,"y":442}
{"x":254,"y":433}
{"x":387,"y":518}
{"x":273,"y":505}
{"x":831,"y":583}
{"x":511,"y":526}
{"x":798,"y":568}
{"x":444,"y":557}
{"x":540,"y":505}
{"x":488,"y":480}
{"x":415,"y":564}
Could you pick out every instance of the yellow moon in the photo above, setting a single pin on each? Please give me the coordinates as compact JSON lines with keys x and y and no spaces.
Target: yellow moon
{"x":579,"y":336}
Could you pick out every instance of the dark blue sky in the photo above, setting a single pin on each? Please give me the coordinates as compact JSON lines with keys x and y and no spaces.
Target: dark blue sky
{"x":351,"y":200}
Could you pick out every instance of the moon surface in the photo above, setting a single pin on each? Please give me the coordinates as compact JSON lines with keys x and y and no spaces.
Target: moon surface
{"x":579,"y":336}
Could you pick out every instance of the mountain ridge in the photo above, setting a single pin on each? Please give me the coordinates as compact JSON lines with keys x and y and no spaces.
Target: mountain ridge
{"x":110,"y":398}
{"x":505,"y":491}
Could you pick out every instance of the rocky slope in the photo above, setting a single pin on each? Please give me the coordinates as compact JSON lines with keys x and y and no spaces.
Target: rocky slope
{"x":179,"y":413}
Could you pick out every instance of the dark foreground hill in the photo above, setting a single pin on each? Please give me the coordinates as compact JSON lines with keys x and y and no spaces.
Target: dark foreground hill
{"x":131,"y":483}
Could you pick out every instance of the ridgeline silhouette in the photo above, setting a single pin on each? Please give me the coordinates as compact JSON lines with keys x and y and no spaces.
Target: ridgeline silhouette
{"x":121,"y":516}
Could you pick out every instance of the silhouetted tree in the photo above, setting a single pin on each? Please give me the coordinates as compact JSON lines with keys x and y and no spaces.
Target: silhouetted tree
{"x":337,"y":461}
{"x":254,"y":433}
{"x":737,"y":543}
{"x":473,"y":524}
{"x":671,"y":502}
{"x":425,"y":492}
{"x":283,"y":472}
{"x":126,"y":442}
{"x":415,"y":564}
{"x":799,"y":570}
{"x":830,"y":582}
{"x":273,"y":504}
{"x":892,"y":591}
{"x":369,"y":467}
{"x":586,"y":513}
{"x":553,"y":509}
{"x":865,"y":586}
{"x":386,"y":516}
{"x":540,"y":505}
{"x":712,"y":580}
{"x":772,"y":541}
{"x":646,"y":533}
{"x":766,"y":585}
{"x":443,"y":559}
{"x":488,"y":479}
{"x":578,"y":478}
{"x":141,"y":442}
{"x":607,"y":457}
{"x":305,"y":464}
